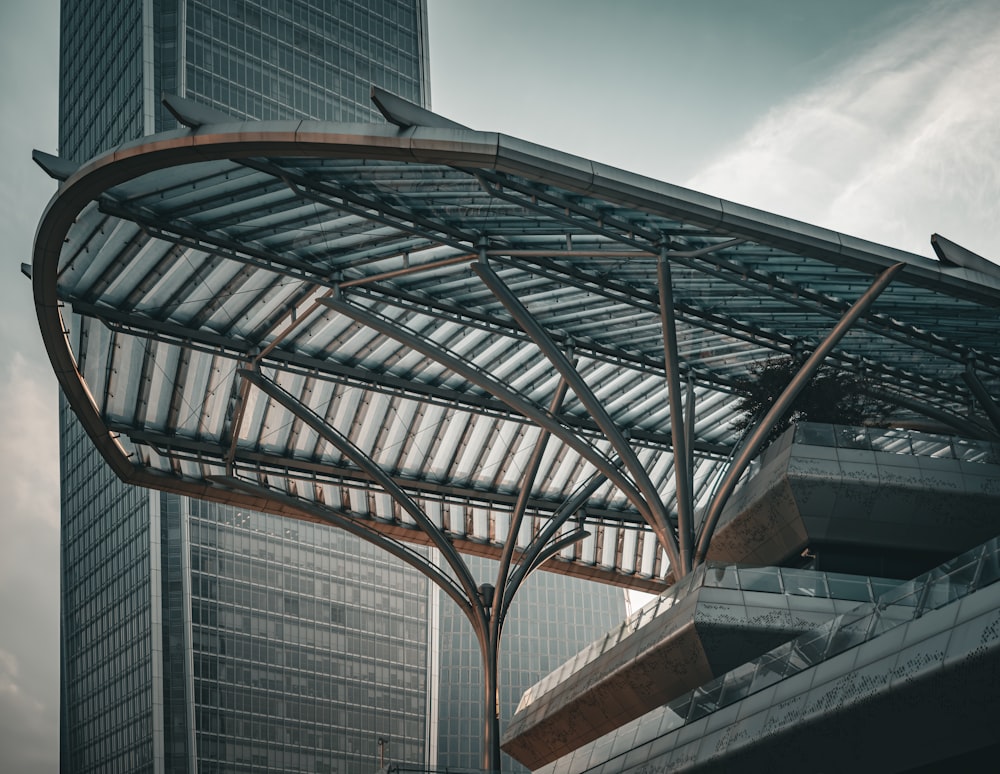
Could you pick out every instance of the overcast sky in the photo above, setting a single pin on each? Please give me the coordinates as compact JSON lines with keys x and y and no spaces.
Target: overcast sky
{"x":879,"y":119}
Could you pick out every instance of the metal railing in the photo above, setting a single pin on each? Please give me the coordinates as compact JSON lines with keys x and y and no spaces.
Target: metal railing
{"x":906,"y":602}
{"x":775,"y":580}
{"x":896,"y":441}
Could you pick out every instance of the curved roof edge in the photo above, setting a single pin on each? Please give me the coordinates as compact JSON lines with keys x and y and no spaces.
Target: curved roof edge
{"x":458,"y":148}
{"x":503,"y":153}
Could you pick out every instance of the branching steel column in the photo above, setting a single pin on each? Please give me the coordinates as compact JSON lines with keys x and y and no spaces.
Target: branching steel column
{"x":500,"y":391}
{"x":532,"y":557}
{"x":653,"y":504}
{"x":369,"y":466}
{"x":781,"y":404}
{"x":682,"y":459}
{"x":527,"y":484}
{"x":500,"y":599}
{"x":982,"y":395}
{"x":481,"y":607}
{"x":690,"y":415}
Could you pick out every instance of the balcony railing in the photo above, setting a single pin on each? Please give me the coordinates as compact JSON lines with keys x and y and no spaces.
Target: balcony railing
{"x":894,"y":607}
{"x":775,"y":580}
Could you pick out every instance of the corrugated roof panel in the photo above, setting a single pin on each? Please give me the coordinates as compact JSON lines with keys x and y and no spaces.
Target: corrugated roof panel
{"x":187,"y":273}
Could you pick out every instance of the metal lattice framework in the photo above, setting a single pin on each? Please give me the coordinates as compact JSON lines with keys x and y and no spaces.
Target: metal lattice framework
{"x":423,"y":293}
{"x":429,"y":335}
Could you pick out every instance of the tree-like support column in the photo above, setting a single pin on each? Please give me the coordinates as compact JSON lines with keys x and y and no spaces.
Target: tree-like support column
{"x":485,"y":606}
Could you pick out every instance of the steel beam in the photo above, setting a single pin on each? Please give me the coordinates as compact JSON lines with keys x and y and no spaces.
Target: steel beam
{"x":219,"y":246}
{"x":527,"y":484}
{"x":759,"y":434}
{"x":238,"y":349}
{"x":494,"y":183}
{"x":211,"y":452}
{"x":529,"y":560}
{"x":658,"y":520}
{"x":678,"y":432}
{"x":986,"y":400}
{"x":404,"y":220}
{"x":369,"y":466}
{"x":500,"y":391}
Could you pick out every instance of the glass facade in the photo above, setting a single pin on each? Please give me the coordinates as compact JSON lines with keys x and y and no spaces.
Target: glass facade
{"x":251,"y":58}
{"x":101,"y":94}
{"x":110,"y":622}
{"x":552,"y":618}
{"x":272,"y":61}
{"x":199,"y":637}
{"x":195,"y":637}
{"x":308,"y":646}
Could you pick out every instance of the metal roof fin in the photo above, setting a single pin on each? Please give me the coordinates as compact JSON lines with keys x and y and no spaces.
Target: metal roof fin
{"x":952,"y":254}
{"x":55,"y":167}
{"x":194,"y":114}
{"x":405,"y":114}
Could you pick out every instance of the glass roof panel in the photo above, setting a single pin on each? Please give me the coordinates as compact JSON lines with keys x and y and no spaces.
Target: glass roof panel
{"x":353,"y":283}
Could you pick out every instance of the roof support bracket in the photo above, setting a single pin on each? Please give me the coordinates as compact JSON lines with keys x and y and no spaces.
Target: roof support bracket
{"x":982,"y":395}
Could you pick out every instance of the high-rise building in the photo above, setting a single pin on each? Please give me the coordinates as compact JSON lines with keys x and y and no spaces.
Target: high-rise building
{"x":737,"y":665}
{"x":251,"y":59}
{"x":202,"y":637}
{"x":195,"y":636}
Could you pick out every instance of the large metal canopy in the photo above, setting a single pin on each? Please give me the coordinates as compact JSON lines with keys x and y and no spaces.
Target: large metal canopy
{"x":300,"y":316}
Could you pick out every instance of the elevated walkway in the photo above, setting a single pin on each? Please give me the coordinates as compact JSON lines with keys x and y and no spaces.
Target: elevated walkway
{"x":868,"y":501}
{"x":909,"y":683}
{"x":714,"y":620}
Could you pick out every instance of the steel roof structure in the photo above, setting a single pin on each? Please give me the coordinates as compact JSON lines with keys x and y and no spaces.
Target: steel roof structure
{"x":429,"y":335}
{"x":418,"y":328}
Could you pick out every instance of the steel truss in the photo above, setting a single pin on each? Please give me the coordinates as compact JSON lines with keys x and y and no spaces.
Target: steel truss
{"x":477,"y":327}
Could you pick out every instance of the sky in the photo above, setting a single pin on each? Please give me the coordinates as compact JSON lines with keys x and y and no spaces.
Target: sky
{"x":880,"y":119}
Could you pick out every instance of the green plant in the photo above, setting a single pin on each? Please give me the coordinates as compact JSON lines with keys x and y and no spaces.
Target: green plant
{"x":831,"y":395}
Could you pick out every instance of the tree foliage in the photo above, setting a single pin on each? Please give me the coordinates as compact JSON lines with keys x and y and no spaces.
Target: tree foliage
{"x":832,"y":395}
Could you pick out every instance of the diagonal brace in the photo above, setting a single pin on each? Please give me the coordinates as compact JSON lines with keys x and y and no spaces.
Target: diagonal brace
{"x":527,"y":484}
{"x":760,"y":432}
{"x":500,"y":391}
{"x":682,"y":458}
{"x":982,"y":395}
{"x":367,"y":464}
{"x":657,"y":517}
{"x":532,"y":556}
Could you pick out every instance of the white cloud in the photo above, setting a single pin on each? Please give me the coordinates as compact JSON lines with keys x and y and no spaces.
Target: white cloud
{"x":29,"y":442}
{"x":9,"y":687}
{"x":28,"y":734}
{"x":29,"y":564}
{"x":898,"y":144}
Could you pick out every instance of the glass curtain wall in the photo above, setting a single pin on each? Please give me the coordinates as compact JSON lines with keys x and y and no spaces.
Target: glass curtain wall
{"x":195,"y":637}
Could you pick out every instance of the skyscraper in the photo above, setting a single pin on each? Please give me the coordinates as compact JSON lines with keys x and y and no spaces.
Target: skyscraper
{"x":194,"y":636}
{"x":199,"y":636}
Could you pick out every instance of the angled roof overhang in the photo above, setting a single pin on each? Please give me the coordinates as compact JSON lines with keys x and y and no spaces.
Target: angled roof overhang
{"x":195,"y":287}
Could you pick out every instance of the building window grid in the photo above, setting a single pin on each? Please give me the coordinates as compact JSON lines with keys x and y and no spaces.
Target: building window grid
{"x":239,"y":71}
{"x":270,"y":566}
{"x":97,"y":640}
